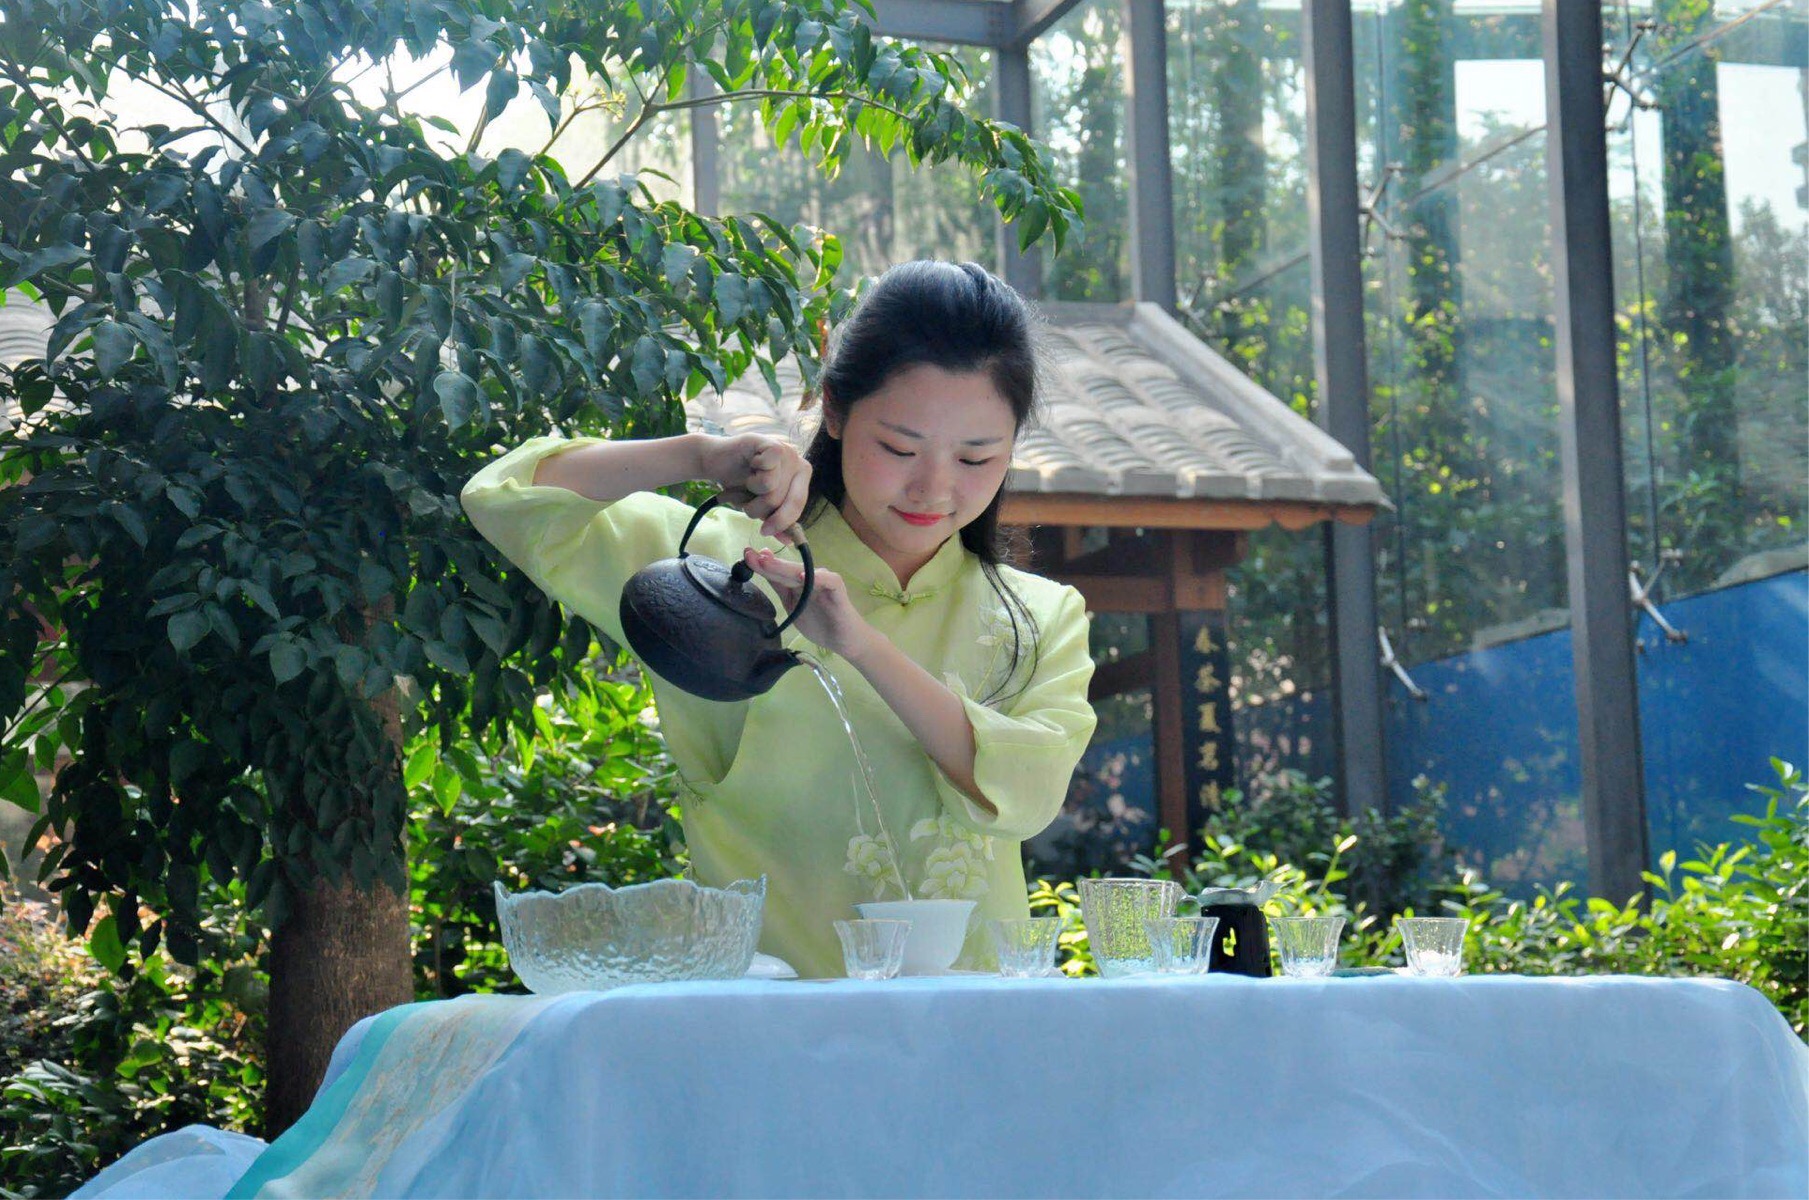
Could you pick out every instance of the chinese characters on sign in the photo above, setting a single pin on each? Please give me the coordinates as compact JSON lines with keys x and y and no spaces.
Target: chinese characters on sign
{"x":1206,"y":726}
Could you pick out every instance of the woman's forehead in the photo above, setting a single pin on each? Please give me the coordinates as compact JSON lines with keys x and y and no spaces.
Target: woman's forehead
{"x":929,"y":402}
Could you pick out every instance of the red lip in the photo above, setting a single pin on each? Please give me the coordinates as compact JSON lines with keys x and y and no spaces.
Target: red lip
{"x":920,"y":518}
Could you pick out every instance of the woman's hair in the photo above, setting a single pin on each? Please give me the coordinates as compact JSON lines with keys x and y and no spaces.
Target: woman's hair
{"x":957,"y":317}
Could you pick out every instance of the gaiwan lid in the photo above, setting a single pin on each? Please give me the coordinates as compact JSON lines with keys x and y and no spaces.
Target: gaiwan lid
{"x":1256,"y":896}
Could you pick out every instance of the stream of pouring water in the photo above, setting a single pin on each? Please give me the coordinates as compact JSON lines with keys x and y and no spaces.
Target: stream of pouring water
{"x":863,"y":768}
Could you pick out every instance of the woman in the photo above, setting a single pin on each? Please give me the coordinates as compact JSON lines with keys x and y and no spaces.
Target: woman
{"x":965,"y":679}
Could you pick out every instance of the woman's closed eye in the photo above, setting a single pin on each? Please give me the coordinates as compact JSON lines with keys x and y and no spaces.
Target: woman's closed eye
{"x":975,"y":462}
{"x":895,"y":451}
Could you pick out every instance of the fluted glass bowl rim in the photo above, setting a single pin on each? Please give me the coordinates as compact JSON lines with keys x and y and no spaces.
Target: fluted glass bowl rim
{"x":530,"y":964}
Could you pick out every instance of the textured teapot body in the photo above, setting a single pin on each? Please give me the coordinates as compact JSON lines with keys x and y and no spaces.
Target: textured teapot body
{"x":705,"y":627}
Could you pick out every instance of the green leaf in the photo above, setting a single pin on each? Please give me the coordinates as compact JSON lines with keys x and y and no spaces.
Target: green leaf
{"x":17,"y":783}
{"x":421,"y":762}
{"x":186,"y":629}
{"x":447,"y":787}
{"x":260,"y":596}
{"x":287,"y":660}
{"x":268,"y":224}
{"x":458,"y":397}
{"x":104,"y":944}
{"x":502,"y":89}
{"x":512,"y":167}
{"x":130,"y":521}
{"x":345,"y":271}
{"x":113,"y":347}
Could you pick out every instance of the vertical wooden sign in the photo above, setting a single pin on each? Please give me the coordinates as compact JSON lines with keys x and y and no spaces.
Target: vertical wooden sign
{"x":1208,"y":746}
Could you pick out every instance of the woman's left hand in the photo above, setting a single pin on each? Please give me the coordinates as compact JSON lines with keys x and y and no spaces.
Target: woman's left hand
{"x":829,"y":619}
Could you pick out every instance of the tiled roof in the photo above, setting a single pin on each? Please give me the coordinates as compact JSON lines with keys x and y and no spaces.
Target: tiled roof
{"x":1133,"y":405}
{"x":24,"y":328}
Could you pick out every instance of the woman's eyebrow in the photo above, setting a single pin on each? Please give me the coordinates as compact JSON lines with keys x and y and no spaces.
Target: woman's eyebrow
{"x":912,"y":433}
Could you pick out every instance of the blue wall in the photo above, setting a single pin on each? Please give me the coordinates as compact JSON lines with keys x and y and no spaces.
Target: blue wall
{"x":1500,"y":731}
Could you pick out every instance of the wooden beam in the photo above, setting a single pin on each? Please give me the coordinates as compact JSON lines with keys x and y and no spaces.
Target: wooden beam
{"x":1189,"y":585}
{"x":1126,"y":554}
{"x":1120,"y":676}
{"x":1166,"y":512}
{"x":1117,"y":593}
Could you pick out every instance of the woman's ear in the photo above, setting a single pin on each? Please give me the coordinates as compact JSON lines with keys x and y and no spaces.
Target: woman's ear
{"x":832,"y":418}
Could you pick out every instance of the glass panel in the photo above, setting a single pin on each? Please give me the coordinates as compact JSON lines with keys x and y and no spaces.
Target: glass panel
{"x":1237,"y":129}
{"x":1712,"y":272}
{"x":1078,"y":111}
{"x":1471,"y":578}
{"x":883,"y":210}
{"x":1711,"y":231}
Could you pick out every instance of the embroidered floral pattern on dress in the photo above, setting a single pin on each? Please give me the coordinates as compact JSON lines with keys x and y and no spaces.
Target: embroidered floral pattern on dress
{"x":870,"y":859}
{"x":997,"y":634}
{"x":955,"y":870}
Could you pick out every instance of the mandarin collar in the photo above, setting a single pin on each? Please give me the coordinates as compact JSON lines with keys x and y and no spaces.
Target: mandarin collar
{"x":832,"y":538}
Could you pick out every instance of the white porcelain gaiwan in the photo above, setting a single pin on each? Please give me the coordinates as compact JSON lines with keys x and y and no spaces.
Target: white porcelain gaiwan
{"x":938,"y":928}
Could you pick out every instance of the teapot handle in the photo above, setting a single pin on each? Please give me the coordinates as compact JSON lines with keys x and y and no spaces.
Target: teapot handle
{"x":810,"y":568}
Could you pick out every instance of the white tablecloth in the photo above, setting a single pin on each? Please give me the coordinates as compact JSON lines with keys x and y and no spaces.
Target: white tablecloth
{"x":1215,"y":1086}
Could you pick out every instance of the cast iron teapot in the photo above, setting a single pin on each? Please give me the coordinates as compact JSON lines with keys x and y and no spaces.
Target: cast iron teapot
{"x":704,"y":627}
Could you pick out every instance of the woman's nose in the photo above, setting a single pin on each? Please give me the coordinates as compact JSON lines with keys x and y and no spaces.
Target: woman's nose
{"x":932,"y":480}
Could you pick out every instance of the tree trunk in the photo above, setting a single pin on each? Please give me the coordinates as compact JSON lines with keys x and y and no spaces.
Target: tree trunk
{"x":341,"y":955}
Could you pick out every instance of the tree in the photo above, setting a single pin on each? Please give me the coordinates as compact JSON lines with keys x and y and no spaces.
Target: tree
{"x":232,"y":560}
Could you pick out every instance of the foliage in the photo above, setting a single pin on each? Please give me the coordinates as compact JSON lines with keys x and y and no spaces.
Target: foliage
{"x":91,"y":1064}
{"x":1737,"y":911}
{"x":1389,"y":862}
{"x":1082,"y":105}
{"x":289,"y":327}
{"x":882,"y":209}
{"x":588,"y":797}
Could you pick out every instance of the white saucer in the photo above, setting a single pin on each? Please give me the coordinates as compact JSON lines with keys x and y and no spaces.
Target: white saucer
{"x":767,"y":966}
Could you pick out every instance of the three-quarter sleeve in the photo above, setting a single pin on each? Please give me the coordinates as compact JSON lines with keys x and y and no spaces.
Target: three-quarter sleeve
{"x":1025,"y":752}
{"x":578,"y":550}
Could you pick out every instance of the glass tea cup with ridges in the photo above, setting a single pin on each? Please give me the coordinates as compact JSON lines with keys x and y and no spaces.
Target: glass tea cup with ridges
{"x":872,"y":948}
{"x":1308,"y":945}
{"x":1434,"y":945}
{"x":1025,"y":945}
{"x":1182,"y":945}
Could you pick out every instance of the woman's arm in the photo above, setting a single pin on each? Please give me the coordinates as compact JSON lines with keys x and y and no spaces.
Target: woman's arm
{"x":771,"y":472}
{"x":612,"y":470}
{"x":934,"y":714}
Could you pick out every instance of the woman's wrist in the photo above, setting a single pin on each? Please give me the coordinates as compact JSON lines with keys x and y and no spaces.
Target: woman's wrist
{"x":864,"y":647}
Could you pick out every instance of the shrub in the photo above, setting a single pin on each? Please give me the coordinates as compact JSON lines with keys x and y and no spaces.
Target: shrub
{"x":92,"y":1063}
{"x":1739,"y":911}
{"x":589,"y":799}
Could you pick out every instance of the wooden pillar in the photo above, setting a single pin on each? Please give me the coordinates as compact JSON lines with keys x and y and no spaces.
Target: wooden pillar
{"x":1189,"y":691}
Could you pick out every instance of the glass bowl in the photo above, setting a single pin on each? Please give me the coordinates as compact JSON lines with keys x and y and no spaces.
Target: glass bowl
{"x":593,"y":937}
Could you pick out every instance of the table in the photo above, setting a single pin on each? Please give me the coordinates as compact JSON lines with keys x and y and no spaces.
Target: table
{"x":1157,"y":1086}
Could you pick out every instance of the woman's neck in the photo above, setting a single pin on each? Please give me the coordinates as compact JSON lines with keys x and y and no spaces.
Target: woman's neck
{"x":904,"y":566}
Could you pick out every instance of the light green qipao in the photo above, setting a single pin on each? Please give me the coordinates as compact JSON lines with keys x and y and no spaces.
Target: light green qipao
{"x":771,"y":781}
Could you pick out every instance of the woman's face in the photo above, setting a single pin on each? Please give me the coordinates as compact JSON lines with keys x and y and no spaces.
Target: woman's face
{"x":921,"y":458}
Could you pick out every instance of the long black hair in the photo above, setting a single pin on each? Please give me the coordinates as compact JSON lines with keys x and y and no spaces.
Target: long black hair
{"x":962,"y":319}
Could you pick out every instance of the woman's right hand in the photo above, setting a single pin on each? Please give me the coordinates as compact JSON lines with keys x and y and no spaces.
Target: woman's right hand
{"x":766,"y":478}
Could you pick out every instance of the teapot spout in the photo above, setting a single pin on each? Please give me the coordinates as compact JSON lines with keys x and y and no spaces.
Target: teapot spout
{"x":768,"y":668}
